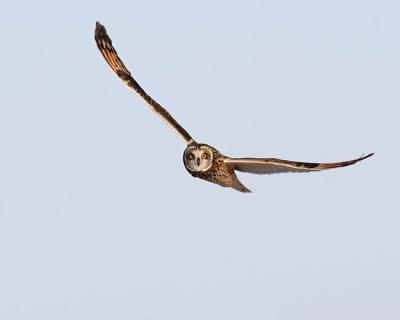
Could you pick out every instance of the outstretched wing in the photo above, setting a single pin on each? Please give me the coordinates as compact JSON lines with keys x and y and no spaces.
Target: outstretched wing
{"x":272,"y":165}
{"x":106,"y":48}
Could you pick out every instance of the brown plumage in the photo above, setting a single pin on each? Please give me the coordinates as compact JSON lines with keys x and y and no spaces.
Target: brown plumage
{"x":202,"y":160}
{"x":106,"y":48}
{"x":219,"y":172}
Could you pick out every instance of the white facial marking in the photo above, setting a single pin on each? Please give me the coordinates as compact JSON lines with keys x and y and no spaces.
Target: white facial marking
{"x":198,"y":159}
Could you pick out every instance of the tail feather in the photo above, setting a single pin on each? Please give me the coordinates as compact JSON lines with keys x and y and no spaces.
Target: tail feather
{"x":237,"y":185}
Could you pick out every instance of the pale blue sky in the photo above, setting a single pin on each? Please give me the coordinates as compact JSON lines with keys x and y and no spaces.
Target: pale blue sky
{"x":100,"y":220}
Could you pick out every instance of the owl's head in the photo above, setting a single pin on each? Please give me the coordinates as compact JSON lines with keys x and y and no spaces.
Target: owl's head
{"x":198,"y":158}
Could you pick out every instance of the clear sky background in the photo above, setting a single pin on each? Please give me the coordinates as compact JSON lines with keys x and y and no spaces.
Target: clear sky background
{"x":100,"y":220}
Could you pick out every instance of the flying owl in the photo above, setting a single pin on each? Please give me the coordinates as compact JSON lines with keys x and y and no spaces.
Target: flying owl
{"x":202,"y":160}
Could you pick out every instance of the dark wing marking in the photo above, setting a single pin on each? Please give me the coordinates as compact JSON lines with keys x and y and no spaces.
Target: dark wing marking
{"x":106,"y":48}
{"x":272,"y":165}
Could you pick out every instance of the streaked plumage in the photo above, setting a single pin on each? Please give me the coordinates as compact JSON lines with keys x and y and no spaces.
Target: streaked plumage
{"x":201,"y":160}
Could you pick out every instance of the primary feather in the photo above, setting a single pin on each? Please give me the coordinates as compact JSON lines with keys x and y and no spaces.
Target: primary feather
{"x":273,"y":165}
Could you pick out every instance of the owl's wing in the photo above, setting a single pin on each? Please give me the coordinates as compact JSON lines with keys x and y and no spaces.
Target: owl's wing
{"x":272,"y":165}
{"x":106,"y":48}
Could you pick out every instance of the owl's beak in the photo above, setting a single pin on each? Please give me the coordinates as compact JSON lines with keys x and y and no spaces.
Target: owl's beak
{"x":198,"y":161}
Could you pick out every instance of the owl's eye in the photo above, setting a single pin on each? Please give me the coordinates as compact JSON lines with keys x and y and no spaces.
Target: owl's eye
{"x":204,"y":156}
{"x":191,"y":156}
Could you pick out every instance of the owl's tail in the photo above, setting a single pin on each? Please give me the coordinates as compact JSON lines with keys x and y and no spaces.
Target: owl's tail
{"x":237,"y":185}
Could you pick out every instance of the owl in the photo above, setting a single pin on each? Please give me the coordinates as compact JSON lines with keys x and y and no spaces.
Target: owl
{"x":202,"y":160}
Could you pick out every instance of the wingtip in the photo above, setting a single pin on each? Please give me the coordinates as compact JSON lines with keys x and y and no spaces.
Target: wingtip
{"x":99,"y":29}
{"x":367,"y":156}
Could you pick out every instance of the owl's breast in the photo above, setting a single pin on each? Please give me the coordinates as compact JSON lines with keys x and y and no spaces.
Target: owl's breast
{"x":218,"y":173}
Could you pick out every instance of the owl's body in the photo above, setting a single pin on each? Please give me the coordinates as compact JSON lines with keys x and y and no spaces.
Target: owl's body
{"x":218,"y":172}
{"x":202,"y":160}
